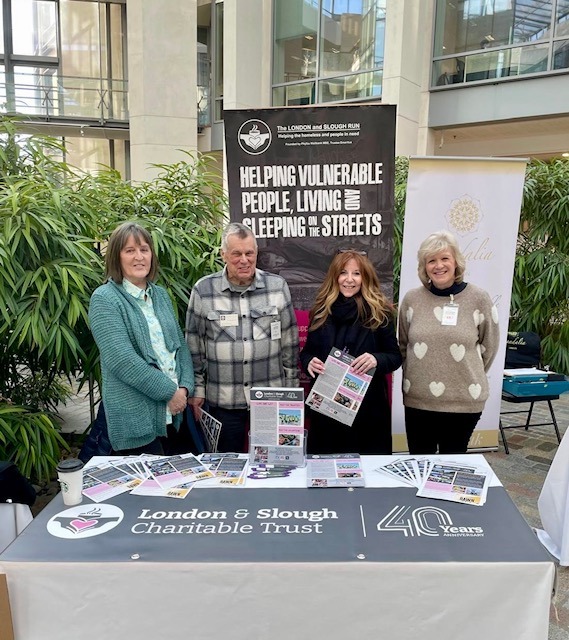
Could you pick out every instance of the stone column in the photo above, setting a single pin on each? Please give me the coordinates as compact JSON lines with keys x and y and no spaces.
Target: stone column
{"x":408,"y":46}
{"x":162,"y":75}
{"x":247,"y":45}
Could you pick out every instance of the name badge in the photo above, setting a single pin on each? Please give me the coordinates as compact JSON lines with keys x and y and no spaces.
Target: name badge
{"x":276,"y":330}
{"x":228,"y":320}
{"x":450,"y":315}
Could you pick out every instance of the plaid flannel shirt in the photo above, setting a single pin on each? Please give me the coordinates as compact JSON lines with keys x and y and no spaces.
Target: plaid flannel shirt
{"x":256,"y":346}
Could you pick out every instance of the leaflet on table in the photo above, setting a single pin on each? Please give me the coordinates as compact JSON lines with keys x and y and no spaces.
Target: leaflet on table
{"x":457,"y":483}
{"x":277,"y":426}
{"x":176,"y":470}
{"x":211,"y":429}
{"x":177,"y":475}
{"x":104,"y":481}
{"x":407,"y":470}
{"x":229,"y":469}
{"x":150,"y":487}
{"x":338,"y":392}
{"x":335,"y":470}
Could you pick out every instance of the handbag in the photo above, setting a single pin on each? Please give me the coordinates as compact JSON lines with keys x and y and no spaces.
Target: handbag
{"x":14,"y":487}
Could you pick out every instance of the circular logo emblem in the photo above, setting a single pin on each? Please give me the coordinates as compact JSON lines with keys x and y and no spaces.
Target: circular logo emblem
{"x":84,"y":521}
{"x":464,"y":215}
{"x":337,"y":353}
{"x":254,"y":137}
{"x":258,"y":394}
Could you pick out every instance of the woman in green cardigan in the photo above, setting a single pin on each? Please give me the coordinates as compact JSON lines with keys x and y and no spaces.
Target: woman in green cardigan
{"x":146,"y":365}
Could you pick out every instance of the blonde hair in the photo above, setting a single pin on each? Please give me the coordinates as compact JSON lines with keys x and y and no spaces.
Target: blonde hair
{"x":374,"y":309}
{"x":435,"y":243}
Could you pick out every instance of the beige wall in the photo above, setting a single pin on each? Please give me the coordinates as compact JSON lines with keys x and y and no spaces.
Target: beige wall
{"x":162,"y":70}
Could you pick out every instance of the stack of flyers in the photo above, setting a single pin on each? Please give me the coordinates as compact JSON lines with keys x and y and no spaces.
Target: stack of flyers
{"x":457,"y":483}
{"x":411,"y":471}
{"x":107,"y":480}
{"x":172,"y":476}
{"x":442,"y":479}
{"x":229,"y":469}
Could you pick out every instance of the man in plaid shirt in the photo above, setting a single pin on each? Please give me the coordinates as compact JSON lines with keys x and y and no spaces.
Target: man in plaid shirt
{"x":242,"y":333}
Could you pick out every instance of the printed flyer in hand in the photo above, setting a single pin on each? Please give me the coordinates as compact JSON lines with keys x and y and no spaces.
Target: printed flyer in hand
{"x":338,"y":392}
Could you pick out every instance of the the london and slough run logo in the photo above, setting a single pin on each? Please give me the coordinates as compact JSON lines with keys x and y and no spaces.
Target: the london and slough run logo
{"x":254,"y":137}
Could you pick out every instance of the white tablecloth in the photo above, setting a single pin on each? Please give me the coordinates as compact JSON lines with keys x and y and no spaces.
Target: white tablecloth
{"x":553,"y":505}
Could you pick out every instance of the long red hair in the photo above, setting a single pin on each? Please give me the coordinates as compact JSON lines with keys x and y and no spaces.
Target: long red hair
{"x":374,"y":309}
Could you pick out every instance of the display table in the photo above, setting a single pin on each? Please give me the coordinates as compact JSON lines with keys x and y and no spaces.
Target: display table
{"x":281,"y":562}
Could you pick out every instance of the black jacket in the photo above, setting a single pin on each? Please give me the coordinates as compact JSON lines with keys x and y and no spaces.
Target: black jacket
{"x":371,"y":430}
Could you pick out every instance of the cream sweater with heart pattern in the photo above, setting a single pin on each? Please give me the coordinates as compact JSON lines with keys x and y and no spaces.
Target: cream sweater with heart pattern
{"x":444,"y":367}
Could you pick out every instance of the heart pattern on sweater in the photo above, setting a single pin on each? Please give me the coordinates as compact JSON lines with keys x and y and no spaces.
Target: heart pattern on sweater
{"x":409,"y":315}
{"x":437,"y":388}
{"x":420,"y":349}
{"x":457,"y":351}
{"x":406,"y":385}
{"x":475,"y":390}
{"x":478,"y":318}
{"x":438,"y":313}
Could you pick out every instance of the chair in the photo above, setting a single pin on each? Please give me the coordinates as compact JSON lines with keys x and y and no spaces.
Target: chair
{"x":523,"y":349}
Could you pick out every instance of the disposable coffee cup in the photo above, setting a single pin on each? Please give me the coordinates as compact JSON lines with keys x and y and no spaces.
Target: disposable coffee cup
{"x":70,"y":476}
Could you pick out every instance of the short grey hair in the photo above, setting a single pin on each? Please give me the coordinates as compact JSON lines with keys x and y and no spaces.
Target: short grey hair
{"x":436,"y":242}
{"x":236,"y":229}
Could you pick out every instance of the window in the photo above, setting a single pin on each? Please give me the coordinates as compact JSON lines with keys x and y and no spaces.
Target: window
{"x":477,"y":40}
{"x":327,"y":50}
{"x":64,"y":62}
{"x":66,"y":58}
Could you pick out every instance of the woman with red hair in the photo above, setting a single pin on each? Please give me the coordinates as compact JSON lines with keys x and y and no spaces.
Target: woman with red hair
{"x":351,"y":313}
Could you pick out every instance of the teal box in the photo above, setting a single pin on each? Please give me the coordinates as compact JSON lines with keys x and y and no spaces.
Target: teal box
{"x":546,"y":384}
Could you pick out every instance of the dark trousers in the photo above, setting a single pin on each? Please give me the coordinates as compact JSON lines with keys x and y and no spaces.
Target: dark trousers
{"x":234,"y":429}
{"x":428,"y":431}
{"x":155,"y":448}
{"x":175,"y":442}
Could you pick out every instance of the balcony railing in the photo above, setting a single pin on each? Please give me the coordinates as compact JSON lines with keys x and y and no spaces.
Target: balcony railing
{"x":54,"y":96}
{"x":501,"y":63}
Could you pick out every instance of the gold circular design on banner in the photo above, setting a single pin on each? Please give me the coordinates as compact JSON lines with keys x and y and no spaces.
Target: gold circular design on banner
{"x":464,"y":214}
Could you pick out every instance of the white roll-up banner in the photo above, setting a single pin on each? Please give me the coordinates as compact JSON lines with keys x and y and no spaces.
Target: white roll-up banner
{"x":479,"y":201}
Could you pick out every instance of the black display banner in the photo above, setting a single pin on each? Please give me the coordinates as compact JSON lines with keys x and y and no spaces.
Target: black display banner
{"x":280,"y":525}
{"x":310,"y":181}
